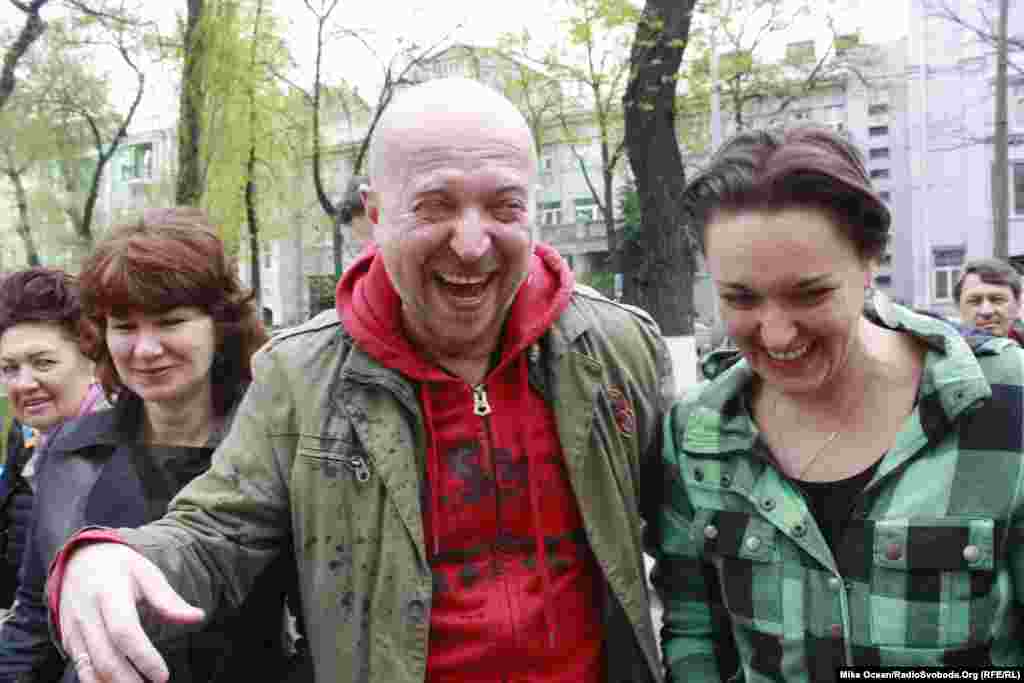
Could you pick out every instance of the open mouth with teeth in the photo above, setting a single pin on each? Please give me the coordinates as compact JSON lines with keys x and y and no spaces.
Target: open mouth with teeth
{"x":467,"y":287}
{"x":786,"y":356}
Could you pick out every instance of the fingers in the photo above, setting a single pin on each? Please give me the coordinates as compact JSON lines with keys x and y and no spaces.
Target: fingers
{"x":79,"y":656}
{"x":163,"y":601}
{"x":103,"y":590}
{"x":90,"y":644}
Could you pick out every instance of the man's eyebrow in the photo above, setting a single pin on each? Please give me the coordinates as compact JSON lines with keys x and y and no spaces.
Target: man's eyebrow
{"x":808,"y":282}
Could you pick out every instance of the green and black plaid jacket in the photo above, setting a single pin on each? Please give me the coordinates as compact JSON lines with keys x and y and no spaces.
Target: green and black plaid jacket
{"x":930,"y":571}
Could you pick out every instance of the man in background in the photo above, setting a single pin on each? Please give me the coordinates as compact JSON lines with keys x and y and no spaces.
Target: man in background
{"x":988,"y":295}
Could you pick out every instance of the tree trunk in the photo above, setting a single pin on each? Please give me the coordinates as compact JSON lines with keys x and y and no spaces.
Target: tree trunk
{"x":666,"y":278}
{"x":254,"y":230}
{"x":1000,"y":175}
{"x":250,"y":172}
{"x":24,"y":226}
{"x":189,"y":188}
{"x":30,"y":32}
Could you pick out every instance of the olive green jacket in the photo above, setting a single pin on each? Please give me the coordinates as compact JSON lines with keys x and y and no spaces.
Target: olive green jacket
{"x":328,"y":447}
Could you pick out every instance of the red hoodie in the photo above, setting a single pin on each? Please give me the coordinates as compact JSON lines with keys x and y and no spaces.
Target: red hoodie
{"x":516,"y":588}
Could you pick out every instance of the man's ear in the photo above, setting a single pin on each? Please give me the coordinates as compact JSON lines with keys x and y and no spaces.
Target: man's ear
{"x":371,"y":204}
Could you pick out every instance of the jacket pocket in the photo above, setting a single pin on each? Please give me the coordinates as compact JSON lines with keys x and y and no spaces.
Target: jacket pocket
{"x":336,"y":458}
{"x":933,"y":582}
{"x":744,"y":551}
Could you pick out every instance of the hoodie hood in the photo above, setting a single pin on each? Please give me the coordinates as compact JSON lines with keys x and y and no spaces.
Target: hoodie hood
{"x":371,"y":311}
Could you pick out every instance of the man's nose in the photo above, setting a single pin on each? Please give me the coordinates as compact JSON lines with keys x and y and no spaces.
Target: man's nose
{"x":986,"y":307}
{"x":470,"y":240}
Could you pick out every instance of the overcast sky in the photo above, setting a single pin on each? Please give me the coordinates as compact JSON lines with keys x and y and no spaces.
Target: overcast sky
{"x":469,"y":21}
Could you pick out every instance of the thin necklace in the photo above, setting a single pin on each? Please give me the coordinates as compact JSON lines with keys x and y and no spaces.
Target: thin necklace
{"x":810,"y":461}
{"x":817,"y":454}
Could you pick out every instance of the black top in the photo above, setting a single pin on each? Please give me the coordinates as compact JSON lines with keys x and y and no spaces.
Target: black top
{"x":96,"y":473}
{"x":831,"y":502}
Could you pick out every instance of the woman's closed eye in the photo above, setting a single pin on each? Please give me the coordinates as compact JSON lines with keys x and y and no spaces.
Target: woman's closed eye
{"x":812,"y":297}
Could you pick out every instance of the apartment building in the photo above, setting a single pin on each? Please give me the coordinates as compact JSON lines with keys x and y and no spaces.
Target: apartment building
{"x":920,"y":109}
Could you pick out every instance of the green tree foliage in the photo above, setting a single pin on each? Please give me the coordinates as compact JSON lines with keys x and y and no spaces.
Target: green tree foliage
{"x":756,"y":87}
{"x":26,"y":142}
{"x":247,"y":114}
{"x":578,"y":86}
{"x":68,"y":130}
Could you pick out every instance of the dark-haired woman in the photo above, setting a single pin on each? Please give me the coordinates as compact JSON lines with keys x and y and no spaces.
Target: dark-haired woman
{"x":172,"y":333}
{"x":48,"y":380}
{"x":851,"y":492}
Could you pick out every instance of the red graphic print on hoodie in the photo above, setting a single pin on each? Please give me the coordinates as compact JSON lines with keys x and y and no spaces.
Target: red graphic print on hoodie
{"x":516,"y":588}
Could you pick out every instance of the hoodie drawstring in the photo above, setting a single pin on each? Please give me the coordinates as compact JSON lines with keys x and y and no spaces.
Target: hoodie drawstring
{"x":534,"y":485}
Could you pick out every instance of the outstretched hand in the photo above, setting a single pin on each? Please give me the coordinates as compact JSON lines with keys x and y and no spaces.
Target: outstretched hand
{"x":103,"y":586}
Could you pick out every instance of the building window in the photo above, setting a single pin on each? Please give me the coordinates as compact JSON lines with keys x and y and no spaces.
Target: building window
{"x":878,"y":153}
{"x":547,"y":162}
{"x":878,"y":109}
{"x":1015,"y":106}
{"x":550,"y":213}
{"x":886,"y":259}
{"x":587,"y":210}
{"x":266,"y":255}
{"x":948,"y":263}
{"x":885,"y":195}
{"x":878,"y":131}
{"x":1018,"y":188}
{"x":879,"y":173}
{"x":138,"y":164}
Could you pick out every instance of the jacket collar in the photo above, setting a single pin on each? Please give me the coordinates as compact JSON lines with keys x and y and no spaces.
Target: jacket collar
{"x":720,"y":422}
{"x":117,"y":425}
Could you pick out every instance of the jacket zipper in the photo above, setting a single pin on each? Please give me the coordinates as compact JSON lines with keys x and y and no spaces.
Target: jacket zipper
{"x":359,"y":467}
{"x":481,"y":406}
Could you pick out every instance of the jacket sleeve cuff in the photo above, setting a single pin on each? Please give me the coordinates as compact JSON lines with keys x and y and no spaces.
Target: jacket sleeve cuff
{"x":86,"y":536}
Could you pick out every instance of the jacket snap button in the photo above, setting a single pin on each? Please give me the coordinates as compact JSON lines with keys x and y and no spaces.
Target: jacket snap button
{"x":753,"y":543}
{"x":726,"y":481}
{"x":711,"y":532}
{"x":972,"y":553}
{"x":834,"y":583}
{"x":893,"y":552}
{"x":799,"y":529}
{"x":698,"y":474}
{"x":417,"y":610}
{"x":768,"y":504}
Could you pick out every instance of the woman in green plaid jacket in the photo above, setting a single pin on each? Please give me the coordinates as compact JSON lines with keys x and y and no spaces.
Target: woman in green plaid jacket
{"x":849,"y":492}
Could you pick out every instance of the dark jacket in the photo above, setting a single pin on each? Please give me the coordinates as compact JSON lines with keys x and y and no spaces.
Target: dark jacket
{"x":15,"y":511}
{"x":95,"y":473}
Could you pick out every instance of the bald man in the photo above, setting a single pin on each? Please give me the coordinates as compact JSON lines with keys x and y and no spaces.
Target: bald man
{"x":455,"y":455}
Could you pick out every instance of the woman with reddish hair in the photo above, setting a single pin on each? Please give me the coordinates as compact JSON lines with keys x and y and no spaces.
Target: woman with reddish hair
{"x":172,"y":332}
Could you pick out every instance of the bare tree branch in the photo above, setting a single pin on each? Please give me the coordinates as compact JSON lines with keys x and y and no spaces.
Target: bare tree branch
{"x":30,"y":32}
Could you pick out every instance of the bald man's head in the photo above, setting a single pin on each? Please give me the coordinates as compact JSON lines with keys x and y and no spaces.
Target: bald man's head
{"x":445,"y":104}
{"x":451,"y":199}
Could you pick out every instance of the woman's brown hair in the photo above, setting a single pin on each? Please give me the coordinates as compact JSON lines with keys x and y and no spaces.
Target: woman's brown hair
{"x":170,"y":258}
{"x":808,"y":166}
